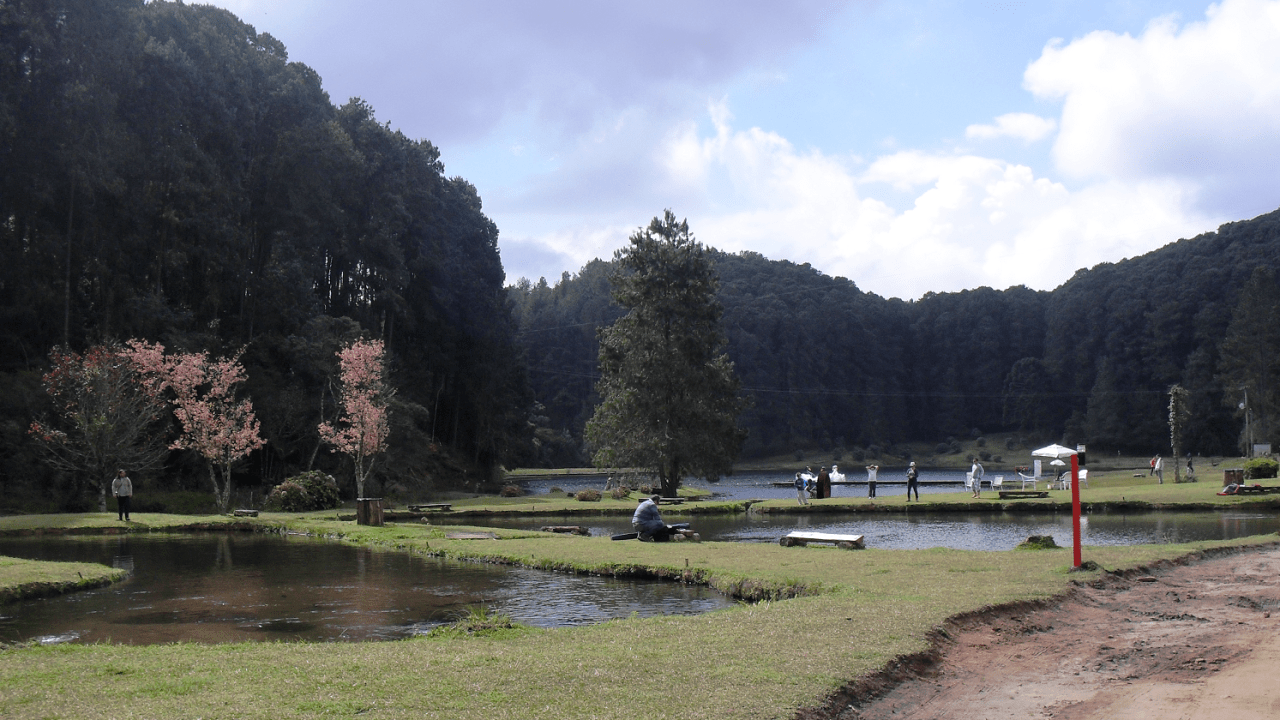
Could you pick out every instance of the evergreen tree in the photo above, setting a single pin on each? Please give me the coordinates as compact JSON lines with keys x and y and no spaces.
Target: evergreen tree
{"x":1248,"y":363}
{"x":669,"y":393}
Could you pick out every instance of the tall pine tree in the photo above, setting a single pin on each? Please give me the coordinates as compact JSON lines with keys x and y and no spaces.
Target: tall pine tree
{"x":669,"y":394}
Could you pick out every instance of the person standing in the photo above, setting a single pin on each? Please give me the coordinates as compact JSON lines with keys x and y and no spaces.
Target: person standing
{"x":122,"y":490}
{"x":871,"y":480}
{"x":976,"y":472}
{"x":912,"y":484}
{"x":1153,"y":466}
{"x":800,"y":498}
{"x":1159,"y":468}
{"x":824,"y":483}
{"x":1191,"y":470}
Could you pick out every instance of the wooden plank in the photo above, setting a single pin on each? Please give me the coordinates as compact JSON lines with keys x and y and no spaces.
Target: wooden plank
{"x":574,"y":529}
{"x":671,"y":501}
{"x":431,"y":506}
{"x":472,"y":536}
{"x":1014,"y":494}
{"x":849,"y":542}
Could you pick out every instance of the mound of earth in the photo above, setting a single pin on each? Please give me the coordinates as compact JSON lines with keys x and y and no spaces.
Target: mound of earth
{"x":1189,"y":640}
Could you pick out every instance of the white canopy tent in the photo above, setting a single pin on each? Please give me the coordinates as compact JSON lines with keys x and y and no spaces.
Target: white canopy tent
{"x":1058,"y":453}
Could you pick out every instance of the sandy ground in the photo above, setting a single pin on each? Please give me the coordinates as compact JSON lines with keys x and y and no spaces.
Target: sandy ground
{"x":1195,"y":640}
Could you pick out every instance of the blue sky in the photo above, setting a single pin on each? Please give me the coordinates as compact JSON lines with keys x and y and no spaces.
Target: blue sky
{"x":910,"y":147}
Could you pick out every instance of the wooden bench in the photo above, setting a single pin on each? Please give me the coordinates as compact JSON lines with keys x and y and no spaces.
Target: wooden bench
{"x":245,"y":513}
{"x":430,"y":506}
{"x":671,"y":501}
{"x":848,"y":542}
{"x":1015,"y":494}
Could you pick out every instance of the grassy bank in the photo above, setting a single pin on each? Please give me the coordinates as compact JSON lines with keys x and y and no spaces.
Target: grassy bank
{"x":25,"y":579}
{"x":851,"y":612}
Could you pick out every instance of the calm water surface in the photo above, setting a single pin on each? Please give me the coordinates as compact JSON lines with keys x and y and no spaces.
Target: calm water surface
{"x":238,"y":586}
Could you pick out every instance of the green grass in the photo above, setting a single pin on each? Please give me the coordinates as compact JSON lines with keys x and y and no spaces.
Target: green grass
{"x":20,"y":579}
{"x":849,"y":613}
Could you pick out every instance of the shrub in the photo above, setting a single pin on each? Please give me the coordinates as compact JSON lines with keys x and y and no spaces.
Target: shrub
{"x":981,"y":442}
{"x":588,"y":495}
{"x":289,"y":497}
{"x":312,"y":490}
{"x":986,"y":456}
{"x":621,"y":492}
{"x":942,"y":449}
{"x":322,"y":488}
{"x":1259,"y":468}
{"x":511,"y":491}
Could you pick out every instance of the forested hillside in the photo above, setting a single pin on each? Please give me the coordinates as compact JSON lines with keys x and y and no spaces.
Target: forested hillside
{"x":829,"y":366}
{"x":168,"y":174}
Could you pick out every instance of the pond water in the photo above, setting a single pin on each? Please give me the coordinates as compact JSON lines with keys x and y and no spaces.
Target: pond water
{"x":963,"y":531}
{"x":242,"y":587}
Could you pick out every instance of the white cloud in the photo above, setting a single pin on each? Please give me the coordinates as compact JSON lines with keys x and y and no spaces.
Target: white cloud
{"x":972,"y":220}
{"x":1197,"y":103}
{"x":1022,"y":126}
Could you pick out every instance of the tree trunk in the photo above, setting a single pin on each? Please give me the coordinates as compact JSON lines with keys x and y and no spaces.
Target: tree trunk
{"x":220,"y":495}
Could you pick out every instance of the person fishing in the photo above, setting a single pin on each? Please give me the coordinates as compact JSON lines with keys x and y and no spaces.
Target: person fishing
{"x":648,"y":523}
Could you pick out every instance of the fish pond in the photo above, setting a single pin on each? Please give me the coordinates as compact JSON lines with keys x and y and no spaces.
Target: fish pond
{"x":233,"y":587}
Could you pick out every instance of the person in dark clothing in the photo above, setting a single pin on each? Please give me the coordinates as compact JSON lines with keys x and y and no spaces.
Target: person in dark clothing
{"x":912,"y":484}
{"x":824,"y":483}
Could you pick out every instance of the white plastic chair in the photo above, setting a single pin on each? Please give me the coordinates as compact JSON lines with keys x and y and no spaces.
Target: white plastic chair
{"x":968,"y":481}
{"x":1027,"y":479}
{"x":1084,"y":477}
{"x":997,"y":482}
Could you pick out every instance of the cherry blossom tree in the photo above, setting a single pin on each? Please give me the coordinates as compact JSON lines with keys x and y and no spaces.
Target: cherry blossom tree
{"x":110,"y":417}
{"x":362,"y":428}
{"x":215,"y":423}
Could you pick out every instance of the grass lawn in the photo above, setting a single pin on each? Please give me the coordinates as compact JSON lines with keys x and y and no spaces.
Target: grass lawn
{"x":829,"y":617}
{"x":20,"y":579}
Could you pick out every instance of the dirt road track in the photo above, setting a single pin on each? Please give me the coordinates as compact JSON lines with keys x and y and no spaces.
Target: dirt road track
{"x":1192,"y":640}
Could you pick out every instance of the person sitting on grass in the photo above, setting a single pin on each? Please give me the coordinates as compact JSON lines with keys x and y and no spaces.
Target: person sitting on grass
{"x":647,"y":521}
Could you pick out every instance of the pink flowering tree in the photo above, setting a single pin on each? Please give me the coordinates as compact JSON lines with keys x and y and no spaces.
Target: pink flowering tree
{"x":361,"y":429}
{"x":108,"y":417}
{"x":219,"y":426}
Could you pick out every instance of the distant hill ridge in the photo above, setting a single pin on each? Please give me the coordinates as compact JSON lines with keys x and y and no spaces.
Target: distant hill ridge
{"x":831,"y":366}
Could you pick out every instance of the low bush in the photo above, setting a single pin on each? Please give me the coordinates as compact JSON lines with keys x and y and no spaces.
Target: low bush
{"x":288,"y":496}
{"x":311,"y":490}
{"x":1259,"y":468}
{"x":620,"y":492}
{"x":588,"y":495}
{"x":511,"y":491}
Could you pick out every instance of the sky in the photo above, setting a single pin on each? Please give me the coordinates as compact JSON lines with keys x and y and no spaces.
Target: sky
{"x":929,"y":146}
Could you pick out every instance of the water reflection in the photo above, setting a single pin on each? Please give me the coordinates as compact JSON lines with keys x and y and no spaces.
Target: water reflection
{"x":237,"y":587}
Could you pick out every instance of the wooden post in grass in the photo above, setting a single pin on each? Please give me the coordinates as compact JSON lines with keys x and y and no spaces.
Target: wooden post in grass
{"x":1075,"y":507}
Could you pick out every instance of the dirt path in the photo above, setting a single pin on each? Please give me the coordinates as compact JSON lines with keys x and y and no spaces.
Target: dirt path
{"x":1196,"y":640}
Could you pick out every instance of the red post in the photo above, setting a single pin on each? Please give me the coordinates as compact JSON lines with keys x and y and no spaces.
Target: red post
{"x":1075,"y":506}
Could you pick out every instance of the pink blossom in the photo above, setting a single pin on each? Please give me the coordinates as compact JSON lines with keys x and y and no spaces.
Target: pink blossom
{"x":362,"y":428}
